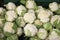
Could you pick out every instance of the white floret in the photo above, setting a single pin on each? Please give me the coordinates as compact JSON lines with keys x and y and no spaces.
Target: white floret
{"x":32,"y":29}
{"x":30,"y":4}
{"x":54,"y":36}
{"x":54,"y":18}
{"x":42,"y":33}
{"x":53,"y":6}
{"x":11,"y":6}
{"x":2,"y":10}
{"x":29,"y":17}
{"x":44,"y":20}
{"x":8,"y":27}
{"x":20,"y":9}
{"x":19,"y":31}
{"x":10,"y":15}
{"x":43,"y":14}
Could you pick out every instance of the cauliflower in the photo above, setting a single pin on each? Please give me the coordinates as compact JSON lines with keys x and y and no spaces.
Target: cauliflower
{"x":19,"y":31}
{"x":29,"y":17}
{"x":1,"y":35}
{"x":30,"y":30}
{"x":38,"y":23}
{"x":21,"y":10}
{"x":53,"y":6}
{"x":54,"y":36}
{"x":10,"y":6}
{"x":43,"y":14}
{"x":42,"y":33}
{"x":30,"y":4}
{"x":20,"y":22}
{"x":10,"y":27}
{"x":10,"y":15}
{"x":55,"y":18}
{"x":2,"y":11}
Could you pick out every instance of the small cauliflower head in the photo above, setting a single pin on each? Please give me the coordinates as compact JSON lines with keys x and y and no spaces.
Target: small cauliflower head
{"x":19,"y":31}
{"x":54,"y":36}
{"x":30,"y":4}
{"x":43,"y":14}
{"x":29,"y":17}
{"x":9,"y":27}
{"x":20,"y":22}
{"x":11,"y":6}
{"x":42,"y":33}
{"x":55,"y":18}
{"x":2,"y":21}
{"x":30,"y":30}
{"x":38,"y":23}
{"x":1,"y":35}
{"x":21,"y":10}
{"x":2,"y":11}
{"x":10,"y":15}
{"x":53,"y":6}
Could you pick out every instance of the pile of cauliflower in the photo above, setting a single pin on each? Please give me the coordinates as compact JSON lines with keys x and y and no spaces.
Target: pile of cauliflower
{"x":35,"y":22}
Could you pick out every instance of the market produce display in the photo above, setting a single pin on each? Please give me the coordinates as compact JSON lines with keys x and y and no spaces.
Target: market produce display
{"x":35,"y":22}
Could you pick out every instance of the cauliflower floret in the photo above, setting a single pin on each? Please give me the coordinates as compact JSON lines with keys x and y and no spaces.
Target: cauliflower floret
{"x":54,"y":36}
{"x":21,"y":10}
{"x":11,"y":6}
{"x":43,"y":14}
{"x":8,"y":27}
{"x":38,"y":22}
{"x":29,"y":17}
{"x":19,"y":31}
{"x":10,"y":15}
{"x":44,"y":20}
{"x":42,"y":33}
{"x":30,"y":30}
{"x":30,"y":4}
{"x":2,"y":11}
{"x":20,"y":22}
{"x":53,"y":6}
{"x":54,"y":18}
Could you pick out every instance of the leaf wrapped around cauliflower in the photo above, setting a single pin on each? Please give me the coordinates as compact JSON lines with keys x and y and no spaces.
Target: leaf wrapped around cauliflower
{"x":12,"y":37}
{"x":20,"y":22}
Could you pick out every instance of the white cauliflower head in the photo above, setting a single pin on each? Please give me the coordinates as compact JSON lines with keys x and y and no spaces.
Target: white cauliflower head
{"x":43,"y":14}
{"x":2,"y":11}
{"x":53,"y":6}
{"x":30,"y":4}
{"x":10,"y":15}
{"x":30,"y":30}
{"x":42,"y":33}
{"x":11,"y":6}
{"x":29,"y":17}
{"x":8,"y":27}
{"x":21,"y":10}
{"x":54,"y":36}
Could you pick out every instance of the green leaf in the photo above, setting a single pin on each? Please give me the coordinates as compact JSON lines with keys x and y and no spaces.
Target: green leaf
{"x":48,"y":26}
{"x":23,"y":1}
